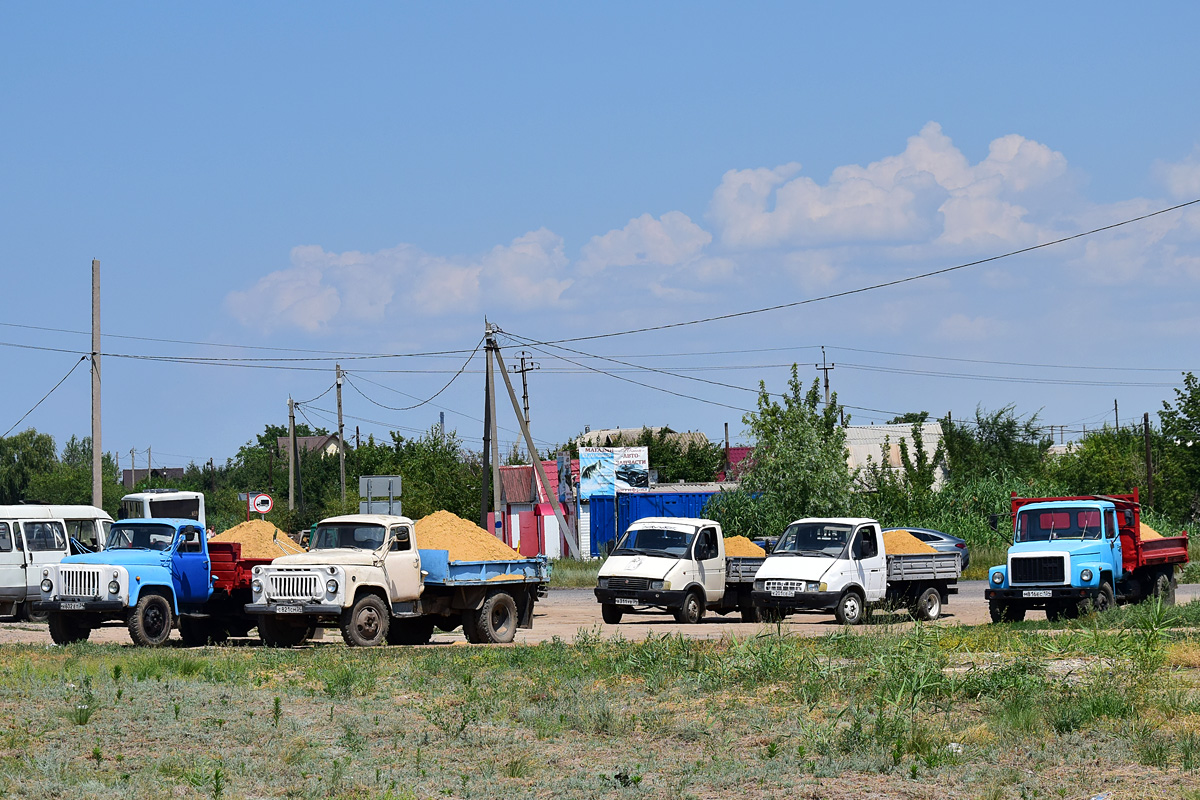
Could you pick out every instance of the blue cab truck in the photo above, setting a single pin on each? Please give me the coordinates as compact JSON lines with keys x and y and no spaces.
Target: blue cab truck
{"x":1070,"y":554}
{"x":152,"y":575}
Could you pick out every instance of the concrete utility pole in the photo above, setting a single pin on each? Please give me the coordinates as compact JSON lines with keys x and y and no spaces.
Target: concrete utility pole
{"x":824,"y":367}
{"x":149,"y":465}
{"x":567,"y":533}
{"x":1116,"y":416}
{"x":291,"y":455}
{"x":97,"y":449}
{"x":132,"y":468}
{"x":524,"y":383}
{"x":1149,"y":463}
{"x":498,"y":512}
{"x":341,"y":430}
{"x":485,"y":475}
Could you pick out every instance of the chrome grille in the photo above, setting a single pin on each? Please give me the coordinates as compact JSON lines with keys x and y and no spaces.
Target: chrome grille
{"x":1039,"y":569}
{"x":293,"y":586}
{"x":629,"y":583}
{"x":79,"y":582}
{"x":780,"y":585}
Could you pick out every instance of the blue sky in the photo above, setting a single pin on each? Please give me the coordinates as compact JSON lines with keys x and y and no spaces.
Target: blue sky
{"x":378,"y":179}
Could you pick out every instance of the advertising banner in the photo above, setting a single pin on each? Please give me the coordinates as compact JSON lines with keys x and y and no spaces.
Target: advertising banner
{"x":631,"y":469}
{"x":607,"y":470}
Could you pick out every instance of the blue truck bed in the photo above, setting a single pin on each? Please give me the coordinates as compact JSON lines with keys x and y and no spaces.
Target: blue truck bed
{"x":439,"y":569}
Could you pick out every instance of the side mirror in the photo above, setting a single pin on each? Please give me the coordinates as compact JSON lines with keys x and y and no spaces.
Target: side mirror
{"x":1128,"y":518}
{"x":994,"y":522}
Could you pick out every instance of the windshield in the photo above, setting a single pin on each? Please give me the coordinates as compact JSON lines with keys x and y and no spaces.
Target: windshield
{"x":140,"y":536}
{"x":45,"y":536}
{"x":813,"y":539}
{"x":349,"y":534}
{"x":655,"y":542}
{"x":1043,"y":525}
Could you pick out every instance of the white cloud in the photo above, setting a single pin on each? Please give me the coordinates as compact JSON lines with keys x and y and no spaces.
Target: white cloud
{"x":285,"y":298}
{"x":960,"y":327}
{"x":669,"y":240}
{"x":1181,"y":178}
{"x":528,"y":273}
{"x":928,"y":192}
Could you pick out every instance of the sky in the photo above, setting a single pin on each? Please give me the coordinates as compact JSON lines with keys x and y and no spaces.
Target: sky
{"x":273,"y":188}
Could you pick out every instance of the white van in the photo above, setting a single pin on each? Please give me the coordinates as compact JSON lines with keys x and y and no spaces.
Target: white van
{"x":163,"y":503}
{"x":34,"y":535}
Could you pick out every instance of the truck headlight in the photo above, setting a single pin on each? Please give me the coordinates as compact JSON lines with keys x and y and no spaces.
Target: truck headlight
{"x":603,"y":583}
{"x":822,"y":587}
{"x":331,"y":586}
{"x":997,"y":578}
{"x":657,"y":584}
{"x":1086,"y":576}
{"x":114,"y":587}
{"x":47,"y":585}
{"x":256,"y":586}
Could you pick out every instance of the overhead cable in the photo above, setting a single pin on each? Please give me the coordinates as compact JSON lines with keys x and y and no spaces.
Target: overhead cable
{"x":47,"y":394}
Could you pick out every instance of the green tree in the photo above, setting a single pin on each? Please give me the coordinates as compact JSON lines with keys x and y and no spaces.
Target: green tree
{"x":798,"y":468}
{"x":996,"y":443}
{"x":22,"y":456}
{"x":1181,"y":462}
{"x":677,"y":461}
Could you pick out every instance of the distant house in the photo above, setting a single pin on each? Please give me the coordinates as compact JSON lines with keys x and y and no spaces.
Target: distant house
{"x":866,"y":441}
{"x":325,"y":445}
{"x":130,"y":477}
{"x":628,"y":437}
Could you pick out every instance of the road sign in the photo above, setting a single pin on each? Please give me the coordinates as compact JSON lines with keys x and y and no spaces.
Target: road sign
{"x":262,"y":503}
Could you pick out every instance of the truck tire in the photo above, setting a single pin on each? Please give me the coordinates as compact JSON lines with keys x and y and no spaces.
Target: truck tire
{"x":200,"y":631}
{"x":751,"y":613}
{"x":66,"y":629}
{"x":276,"y":633}
{"x":495,"y":622}
{"x":692,"y":610}
{"x":929,"y":605}
{"x":850,"y":609}
{"x":611,"y":613}
{"x":410,"y":631}
{"x":1004,"y":612}
{"x":1104,"y":599}
{"x":26,"y":614}
{"x":365,"y":624}
{"x":151,"y":620}
{"x":1164,"y":588}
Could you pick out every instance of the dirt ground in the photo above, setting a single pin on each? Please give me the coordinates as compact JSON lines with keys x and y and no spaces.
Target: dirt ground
{"x":566,"y":611}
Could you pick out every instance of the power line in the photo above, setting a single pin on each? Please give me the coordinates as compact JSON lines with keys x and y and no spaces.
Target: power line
{"x":875,"y":286}
{"x":427,"y":400}
{"x":47,"y":394}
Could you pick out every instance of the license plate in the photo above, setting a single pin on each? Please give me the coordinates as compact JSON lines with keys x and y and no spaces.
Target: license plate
{"x":289,"y":609}
{"x":71,"y":607}
{"x":1037,"y":593}
{"x":625,"y":601}
{"x":781,"y":593}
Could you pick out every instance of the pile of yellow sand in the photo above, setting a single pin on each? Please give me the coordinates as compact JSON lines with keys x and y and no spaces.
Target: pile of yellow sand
{"x":465,"y":540}
{"x":741,"y":547}
{"x":901,"y":542}
{"x":1148,"y":532}
{"x":259,"y":539}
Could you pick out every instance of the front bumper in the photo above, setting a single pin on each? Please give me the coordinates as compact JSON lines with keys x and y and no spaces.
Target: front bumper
{"x":800,"y":600}
{"x":293,"y":609}
{"x":47,"y":606}
{"x":664,"y":598}
{"x":1057,"y":594}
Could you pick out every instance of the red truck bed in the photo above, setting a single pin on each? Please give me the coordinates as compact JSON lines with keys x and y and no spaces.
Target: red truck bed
{"x":229,"y":570}
{"x":1135,"y":551}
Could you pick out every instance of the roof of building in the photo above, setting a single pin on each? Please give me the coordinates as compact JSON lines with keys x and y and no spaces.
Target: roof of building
{"x":626,"y":437}
{"x":309,"y":444}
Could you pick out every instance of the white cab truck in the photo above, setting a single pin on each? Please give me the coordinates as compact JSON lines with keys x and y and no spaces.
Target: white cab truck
{"x":841,"y":564}
{"x":34,"y":536}
{"x":367,"y":575}
{"x":163,"y":503}
{"x":675,"y":564}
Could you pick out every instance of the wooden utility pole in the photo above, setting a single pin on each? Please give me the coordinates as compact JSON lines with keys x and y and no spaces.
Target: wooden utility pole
{"x":824,"y":367}
{"x":1116,"y":416}
{"x":526,"y":368}
{"x":291,"y":455}
{"x":1149,"y":462}
{"x":149,"y":463}
{"x":567,"y":533}
{"x":341,"y":430}
{"x":132,"y":468}
{"x":497,"y":511}
{"x":97,"y":449}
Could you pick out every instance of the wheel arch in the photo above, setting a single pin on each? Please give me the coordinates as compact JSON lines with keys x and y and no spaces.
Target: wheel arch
{"x":153,"y":588}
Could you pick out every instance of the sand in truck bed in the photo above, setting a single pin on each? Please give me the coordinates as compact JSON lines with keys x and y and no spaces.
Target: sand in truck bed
{"x":466,"y":541}
{"x":901,"y":542}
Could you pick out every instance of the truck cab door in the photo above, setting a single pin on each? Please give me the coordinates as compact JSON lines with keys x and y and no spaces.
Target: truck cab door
{"x":45,"y":542}
{"x":402,"y":565}
{"x":13,"y":586}
{"x":190,"y":567}
{"x":709,"y":564}
{"x":870,"y":563}
{"x":1112,"y":536}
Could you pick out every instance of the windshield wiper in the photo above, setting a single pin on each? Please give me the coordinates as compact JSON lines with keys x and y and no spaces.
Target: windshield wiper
{"x":664,"y":553}
{"x":625,"y":550}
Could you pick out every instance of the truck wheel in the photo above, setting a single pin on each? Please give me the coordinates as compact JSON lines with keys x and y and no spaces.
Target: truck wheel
{"x":850,"y":609}
{"x":751,"y":614}
{"x":410,"y":631}
{"x":611,"y":613}
{"x":1104,"y":599}
{"x":200,"y":631}
{"x":1164,"y":588}
{"x":365,"y":624}
{"x":275,"y":633}
{"x":929,"y":605}
{"x":495,"y":622}
{"x":1003,"y":612}
{"x":151,"y":621}
{"x":692,"y":610}
{"x":27,"y":614}
{"x":65,"y":629}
